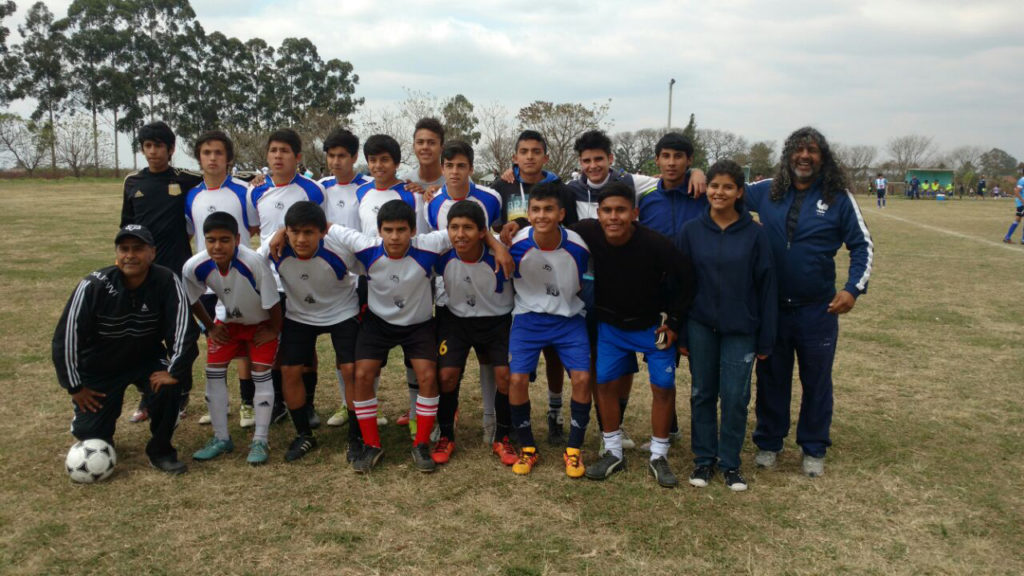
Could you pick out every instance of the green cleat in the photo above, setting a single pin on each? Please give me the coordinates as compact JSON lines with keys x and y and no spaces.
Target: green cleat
{"x":215,"y":447}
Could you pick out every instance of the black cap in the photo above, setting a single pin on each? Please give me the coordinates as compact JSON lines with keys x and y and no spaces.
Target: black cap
{"x":135,"y":231}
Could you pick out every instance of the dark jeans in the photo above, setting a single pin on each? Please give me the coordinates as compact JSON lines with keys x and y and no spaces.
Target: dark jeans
{"x":811,"y":333}
{"x":163,"y":409}
{"x":720,"y":367}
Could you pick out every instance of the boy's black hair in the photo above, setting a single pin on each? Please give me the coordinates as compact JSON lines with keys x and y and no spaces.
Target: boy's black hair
{"x":546,"y":190}
{"x":215,"y":136}
{"x":470,"y":210}
{"x":456,"y":147}
{"x":432,"y":124}
{"x":674,"y":141}
{"x":396,"y":210}
{"x":593,"y":140}
{"x":286,"y":136}
{"x":344,"y":139}
{"x":157,"y":131}
{"x":220,"y":221}
{"x":305,"y":213}
{"x":616,"y":189}
{"x":732,"y":170}
{"x":381,"y":144}
{"x":532,"y":135}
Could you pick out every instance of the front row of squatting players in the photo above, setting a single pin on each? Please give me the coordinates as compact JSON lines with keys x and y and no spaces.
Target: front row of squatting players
{"x":590,"y":274}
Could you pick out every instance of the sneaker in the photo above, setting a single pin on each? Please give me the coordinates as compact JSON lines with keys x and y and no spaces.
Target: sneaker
{"x":421,"y":458}
{"x":338,"y":418}
{"x":214,"y":447}
{"x":527,"y":460}
{"x":734,"y":480}
{"x":355,"y":448}
{"x":608,"y":464}
{"x":1006,"y":240}
{"x":403,"y":420}
{"x":504,"y":451}
{"x":368,"y":459}
{"x":573,"y":462}
{"x":813,"y":467}
{"x":259,"y":452}
{"x":443,"y":450}
{"x":627,"y":442}
{"x":662,"y":473}
{"x":555,"y":435}
{"x":701,"y":475}
{"x":279,"y":413}
{"x":141,"y":414}
{"x":246,"y":416}
{"x":314,"y":418}
{"x":205,"y":419}
{"x":299,"y":448}
{"x":382,"y":420}
{"x":766,"y":458}
{"x":169,"y":464}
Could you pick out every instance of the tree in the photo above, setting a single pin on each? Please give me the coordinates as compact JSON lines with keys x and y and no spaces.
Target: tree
{"x":459,"y":121}
{"x":75,"y":144}
{"x":21,"y":139}
{"x":42,"y":50}
{"x":562,"y":124}
{"x":960,"y":156}
{"x":498,"y":138}
{"x":762,"y":159}
{"x":911,"y":151}
{"x":721,"y":145}
{"x":10,"y":64}
{"x":857,"y":161}
{"x":996,"y":163}
{"x":634,"y":149}
{"x":690,"y":132}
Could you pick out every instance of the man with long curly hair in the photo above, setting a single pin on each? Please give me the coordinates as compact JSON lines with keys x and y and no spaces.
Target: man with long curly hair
{"x":808,"y":213}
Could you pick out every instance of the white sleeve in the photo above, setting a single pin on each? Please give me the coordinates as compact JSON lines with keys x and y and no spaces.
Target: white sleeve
{"x":350,"y":239}
{"x":268,"y":286}
{"x":343,"y":248}
{"x":643,"y":184}
{"x":436,"y":241}
{"x":422,"y":223}
{"x":193,"y":287}
{"x":251,"y":208}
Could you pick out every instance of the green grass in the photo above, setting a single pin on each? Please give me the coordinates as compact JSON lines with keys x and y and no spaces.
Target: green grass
{"x":924,"y":476}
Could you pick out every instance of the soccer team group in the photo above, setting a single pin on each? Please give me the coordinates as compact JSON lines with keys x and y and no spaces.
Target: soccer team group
{"x":589,"y":273}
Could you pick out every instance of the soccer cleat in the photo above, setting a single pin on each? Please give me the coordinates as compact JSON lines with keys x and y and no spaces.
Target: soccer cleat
{"x":734,"y":480}
{"x":355,"y":448}
{"x":443,"y":450}
{"x":367,"y":459}
{"x":301,"y":446}
{"x":141,"y":414}
{"x":555,"y":435}
{"x":527,"y":460}
{"x":214,"y":447}
{"x":766,"y":458}
{"x":701,"y":475}
{"x":505,"y":451}
{"x":813,"y":467}
{"x":403,"y":420}
{"x":314,"y":418}
{"x":663,"y":473}
{"x":608,"y":464}
{"x":338,"y":418}
{"x":421,"y":458}
{"x":205,"y":419}
{"x":1006,"y":240}
{"x":246,"y":416}
{"x":573,"y":462}
{"x":259,"y":452}
{"x":169,"y":464}
{"x":627,"y":442}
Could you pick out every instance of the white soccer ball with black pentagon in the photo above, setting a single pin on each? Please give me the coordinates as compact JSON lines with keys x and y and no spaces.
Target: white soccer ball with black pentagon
{"x":90,"y":461}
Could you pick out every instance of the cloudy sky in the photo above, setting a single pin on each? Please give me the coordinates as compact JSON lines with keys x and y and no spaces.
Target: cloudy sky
{"x":861,"y":71}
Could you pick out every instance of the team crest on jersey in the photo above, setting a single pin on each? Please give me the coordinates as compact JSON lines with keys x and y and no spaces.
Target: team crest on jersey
{"x":304,"y":276}
{"x":395,"y":278}
{"x":822,"y":208}
{"x":547,"y":267}
{"x":471,"y":301}
{"x":211,"y":209}
{"x":236,"y":313}
{"x":309,"y":299}
{"x":174,"y":189}
{"x":279,"y":205}
{"x":227,"y":291}
{"x":553,"y":290}
{"x":467,"y":280}
{"x":341,"y":203}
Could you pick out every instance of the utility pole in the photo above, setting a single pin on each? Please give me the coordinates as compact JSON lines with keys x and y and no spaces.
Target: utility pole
{"x":670,"y":84}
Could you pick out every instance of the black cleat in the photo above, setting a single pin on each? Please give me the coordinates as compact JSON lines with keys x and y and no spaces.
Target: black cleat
{"x":299,"y":448}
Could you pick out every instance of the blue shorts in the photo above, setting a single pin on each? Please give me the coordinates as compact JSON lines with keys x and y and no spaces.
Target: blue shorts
{"x":533,"y":331}
{"x":616,"y":355}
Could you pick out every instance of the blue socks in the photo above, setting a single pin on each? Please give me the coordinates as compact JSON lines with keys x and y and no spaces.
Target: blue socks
{"x":521,"y":424}
{"x":580,"y":414}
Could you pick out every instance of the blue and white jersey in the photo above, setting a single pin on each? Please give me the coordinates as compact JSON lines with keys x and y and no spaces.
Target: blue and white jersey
{"x":474,"y":289}
{"x":245,"y":292}
{"x":487,"y":198}
{"x":586,"y":192}
{"x":1019,"y":190}
{"x":549,"y":281}
{"x":231,"y":197}
{"x":321,"y":290}
{"x":881,"y":184}
{"x":341,"y":203}
{"x":270,"y":202}
{"x":371,"y":199}
{"x":399,"y":288}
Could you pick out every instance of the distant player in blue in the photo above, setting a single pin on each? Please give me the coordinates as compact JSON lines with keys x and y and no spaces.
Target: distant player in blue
{"x":881,"y":185}
{"x":915,"y":187}
{"x":1019,"y":201}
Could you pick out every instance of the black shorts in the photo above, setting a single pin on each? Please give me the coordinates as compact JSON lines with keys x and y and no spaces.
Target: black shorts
{"x":880,"y":193}
{"x":456,"y":336}
{"x":377,"y":337}
{"x":1020,"y":211}
{"x":298,"y":342}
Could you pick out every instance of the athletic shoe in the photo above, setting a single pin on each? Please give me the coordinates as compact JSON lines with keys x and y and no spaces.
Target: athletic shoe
{"x":382,"y":420}
{"x":205,"y":419}
{"x":766,"y":458}
{"x":403,"y":420}
{"x":314,"y":418}
{"x":505,"y":451}
{"x":421,"y":458}
{"x":627,"y":442}
{"x":367,"y":459}
{"x":443,"y":450}
{"x":1006,"y":241}
{"x":214,"y":447}
{"x":338,"y":418}
{"x":355,"y":448}
{"x":259,"y":452}
{"x":813,"y":467}
{"x":169,"y":464}
{"x":734,"y":480}
{"x":299,"y":448}
{"x":555,"y":435}
{"x":246,"y":416}
{"x":701,"y":475}
{"x":608,"y":464}
{"x":279,"y":413}
{"x":573,"y":462}
{"x":141,"y":414}
{"x":527,"y":460}
{"x":662,"y":473}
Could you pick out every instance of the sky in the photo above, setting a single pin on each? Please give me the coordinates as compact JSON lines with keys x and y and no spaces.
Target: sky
{"x":860,"y":71}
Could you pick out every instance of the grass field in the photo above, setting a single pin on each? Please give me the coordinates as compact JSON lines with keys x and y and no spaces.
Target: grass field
{"x":924,"y":476}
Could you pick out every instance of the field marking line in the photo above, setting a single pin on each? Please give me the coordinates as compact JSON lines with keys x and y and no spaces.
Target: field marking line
{"x":1016,"y":249}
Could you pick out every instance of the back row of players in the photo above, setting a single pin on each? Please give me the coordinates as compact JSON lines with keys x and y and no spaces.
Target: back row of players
{"x":589,"y":293}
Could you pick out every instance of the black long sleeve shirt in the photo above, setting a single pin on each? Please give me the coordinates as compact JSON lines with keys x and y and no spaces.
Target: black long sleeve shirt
{"x":157,"y":201}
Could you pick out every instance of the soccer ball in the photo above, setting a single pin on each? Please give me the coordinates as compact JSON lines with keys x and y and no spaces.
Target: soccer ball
{"x":90,"y":461}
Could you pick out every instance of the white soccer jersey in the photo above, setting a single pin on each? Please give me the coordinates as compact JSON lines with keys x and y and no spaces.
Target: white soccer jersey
{"x":474,"y":289}
{"x":271,"y":202}
{"x":488,"y":199}
{"x":231,"y":197}
{"x":341,"y":203}
{"x":321,"y":290}
{"x":549,"y":281}
{"x":587,"y":208}
{"x":371,"y":199}
{"x":246,"y":292}
{"x":399,"y":288}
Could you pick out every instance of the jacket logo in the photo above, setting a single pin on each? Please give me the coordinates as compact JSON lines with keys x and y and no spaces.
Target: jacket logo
{"x":144,"y":308}
{"x":138,"y":194}
{"x":822,"y":208}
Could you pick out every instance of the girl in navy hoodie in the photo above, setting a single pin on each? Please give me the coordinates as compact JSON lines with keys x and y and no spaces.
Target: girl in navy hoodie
{"x":731,"y":322}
